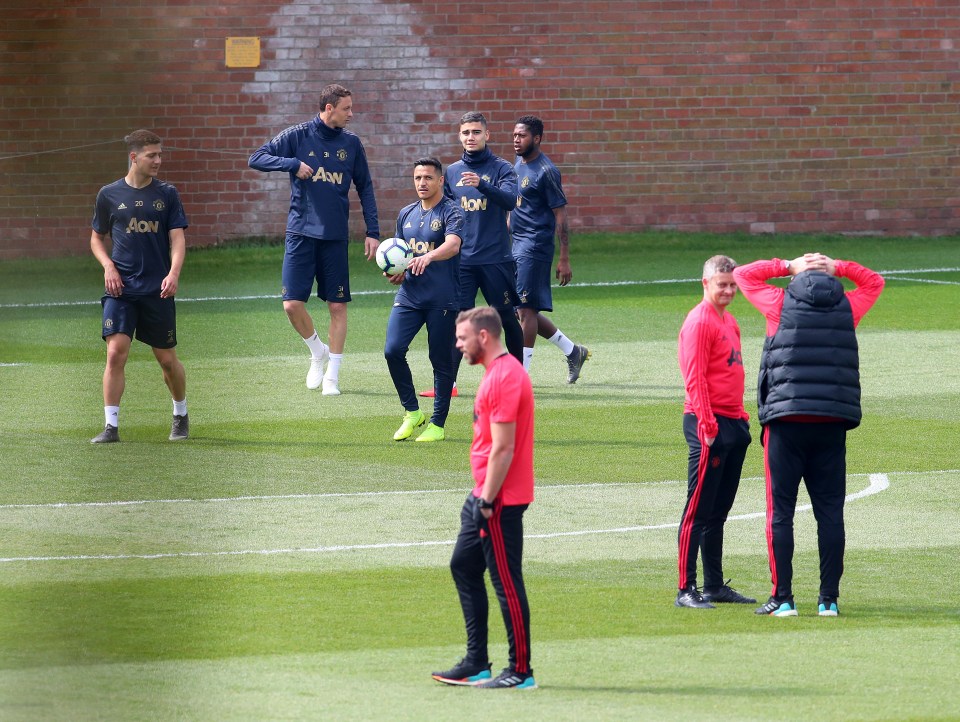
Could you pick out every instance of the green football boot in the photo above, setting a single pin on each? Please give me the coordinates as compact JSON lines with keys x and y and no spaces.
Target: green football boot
{"x":412,"y":420}
{"x":432,"y":433}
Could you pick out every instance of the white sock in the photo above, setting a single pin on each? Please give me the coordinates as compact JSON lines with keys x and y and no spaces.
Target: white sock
{"x":333,"y":367}
{"x":180,"y":408}
{"x":315,"y":345}
{"x":527,"y":358}
{"x":562,"y":342}
{"x":112,"y":415}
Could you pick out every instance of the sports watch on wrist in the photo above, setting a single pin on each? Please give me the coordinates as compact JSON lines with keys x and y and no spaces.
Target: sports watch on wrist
{"x":483,"y":503}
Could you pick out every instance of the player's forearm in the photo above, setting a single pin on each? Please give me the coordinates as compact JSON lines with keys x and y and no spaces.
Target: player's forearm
{"x":497,"y":467}
{"x":178,"y":251}
{"x":563,"y":230}
{"x":503,"y":194}
{"x":99,"y":249}
{"x":263,"y":160}
{"x":446,"y":250}
{"x":869,"y":286}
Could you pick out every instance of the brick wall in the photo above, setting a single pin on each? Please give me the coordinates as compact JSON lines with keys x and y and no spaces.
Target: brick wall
{"x":812,"y":115}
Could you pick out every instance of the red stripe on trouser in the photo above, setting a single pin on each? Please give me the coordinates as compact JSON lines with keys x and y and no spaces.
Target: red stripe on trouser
{"x":769,"y":526}
{"x":510,"y":591}
{"x":686,"y":526}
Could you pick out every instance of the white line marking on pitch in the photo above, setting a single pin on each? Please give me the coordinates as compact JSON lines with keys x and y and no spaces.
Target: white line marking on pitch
{"x":597,"y":284}
{"x":878,"y":483}
{"x":325,"y":495}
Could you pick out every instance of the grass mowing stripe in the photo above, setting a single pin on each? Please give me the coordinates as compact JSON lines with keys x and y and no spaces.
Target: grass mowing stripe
{"x":353,"y":635}
{"x":878,"y":483}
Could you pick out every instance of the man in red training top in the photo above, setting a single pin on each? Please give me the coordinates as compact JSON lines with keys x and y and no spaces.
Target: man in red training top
{"x":491,"y":521}
{"x":717,"y":432}
{"x":808,"y":396}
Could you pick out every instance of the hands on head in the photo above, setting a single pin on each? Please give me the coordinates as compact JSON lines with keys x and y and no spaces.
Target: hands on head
{"x":813,"y":262}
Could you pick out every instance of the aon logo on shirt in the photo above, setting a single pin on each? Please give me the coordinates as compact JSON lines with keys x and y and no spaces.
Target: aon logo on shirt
{"x":136,"y":226}
{"x":420,"y":248}
{"x":323,"y":175}
{"x":473,"y":204}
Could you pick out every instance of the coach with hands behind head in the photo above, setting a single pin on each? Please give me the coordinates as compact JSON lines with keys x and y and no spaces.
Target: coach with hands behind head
{"x":808,"y":396}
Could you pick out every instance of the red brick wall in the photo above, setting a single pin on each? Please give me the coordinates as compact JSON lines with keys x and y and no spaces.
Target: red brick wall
{"x":809,"y":115}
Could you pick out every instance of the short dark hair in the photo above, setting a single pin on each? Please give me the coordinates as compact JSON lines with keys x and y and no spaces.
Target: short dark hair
{"x":482,"y":318}
{"x":533,"y":123}
{"x":140,"y":138}
{"x":473,"y":117}
{"x":431,"y":161}
{"x":332,"y":95}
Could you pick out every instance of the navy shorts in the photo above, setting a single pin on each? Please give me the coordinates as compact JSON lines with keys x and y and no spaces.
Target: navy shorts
{"x":533,"y":284}
{"x":497,"y":281}
{"x":152,"y":319}
{"x":306,"y":260}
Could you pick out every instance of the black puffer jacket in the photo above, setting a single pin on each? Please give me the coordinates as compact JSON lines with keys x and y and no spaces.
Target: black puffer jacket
{"x":811,"y":365}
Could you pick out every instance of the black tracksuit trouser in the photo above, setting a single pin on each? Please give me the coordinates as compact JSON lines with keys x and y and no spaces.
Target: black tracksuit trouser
{"x":816,"y":453}
{"x":497,"y":546}
{"x":712,"y":483}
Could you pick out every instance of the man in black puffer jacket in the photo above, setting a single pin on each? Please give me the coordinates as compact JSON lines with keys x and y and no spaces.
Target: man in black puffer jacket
{"x":808,"y":396}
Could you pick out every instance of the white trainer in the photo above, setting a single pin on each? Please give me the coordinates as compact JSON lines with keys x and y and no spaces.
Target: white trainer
{"x":315,"y":374}
{"x":331,"y":387}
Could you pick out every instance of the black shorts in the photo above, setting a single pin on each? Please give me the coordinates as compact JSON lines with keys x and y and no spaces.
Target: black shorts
{"x":533,"y":284}
{"x":306,"y":260}
{"x":497,"y":282}
{"x":152,"y":319}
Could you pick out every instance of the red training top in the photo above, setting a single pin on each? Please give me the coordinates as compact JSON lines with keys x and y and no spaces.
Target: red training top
{"x":712,"y":367}
{"x":505,"y":396}
{"x":752,"y":281}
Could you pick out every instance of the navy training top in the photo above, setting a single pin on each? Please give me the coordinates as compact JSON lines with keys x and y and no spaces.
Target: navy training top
{"x":320,"y":206}
{"x":486,"y":238}
{"x":532,"y":222}
{"x":138,"y":221}
{"x":439,"y":285}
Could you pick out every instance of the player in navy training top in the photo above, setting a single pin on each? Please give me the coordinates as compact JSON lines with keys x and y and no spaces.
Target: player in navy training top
{"x":428,"y":295}
{"x":145,"y":220}
{"x":485,"y":188}
{"x":540,"y":213}
{"x":322,"y":159}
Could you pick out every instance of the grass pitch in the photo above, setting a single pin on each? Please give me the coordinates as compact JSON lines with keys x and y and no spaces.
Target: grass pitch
{"x":290,"y":561}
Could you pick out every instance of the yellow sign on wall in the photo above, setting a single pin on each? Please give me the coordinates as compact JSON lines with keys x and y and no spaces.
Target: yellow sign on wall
{"x":243,"y":52}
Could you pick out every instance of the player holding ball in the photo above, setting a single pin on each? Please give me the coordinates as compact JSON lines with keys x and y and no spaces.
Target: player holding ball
{"x":428,"y":296}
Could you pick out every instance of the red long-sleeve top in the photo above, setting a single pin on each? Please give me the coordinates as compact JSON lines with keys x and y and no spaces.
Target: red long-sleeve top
{"x":752,"y":281}
{"x":712,"y":367}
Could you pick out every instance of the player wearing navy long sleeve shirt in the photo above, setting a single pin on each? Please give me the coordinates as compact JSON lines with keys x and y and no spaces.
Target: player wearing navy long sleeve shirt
{"x":145,"y":221}
{"x":323,"y":159}
{"x":428,"y":295}
{"x":540,"y":213}
{"x":485,"y":187}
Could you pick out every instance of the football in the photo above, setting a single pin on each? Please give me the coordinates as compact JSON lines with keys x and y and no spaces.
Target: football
{"x":394,"y":255}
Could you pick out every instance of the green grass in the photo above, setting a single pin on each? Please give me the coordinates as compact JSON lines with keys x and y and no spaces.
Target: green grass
{"x":290,"y":561}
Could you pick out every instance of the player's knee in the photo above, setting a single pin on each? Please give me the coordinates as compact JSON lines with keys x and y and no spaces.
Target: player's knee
{"x":293,"y":308}
{"x":394,"y":353}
